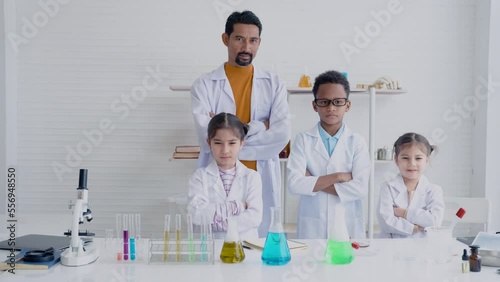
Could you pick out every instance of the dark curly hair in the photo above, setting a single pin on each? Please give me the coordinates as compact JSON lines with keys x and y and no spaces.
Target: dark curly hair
{"x":331,"y":76}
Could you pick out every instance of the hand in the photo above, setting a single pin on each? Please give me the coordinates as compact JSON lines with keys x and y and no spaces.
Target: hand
{"x":399,"y":212}
{"x":330,"y":190}
{"x":211,"y":114}
{"x":266,"y":123}
{"x":417,"y":228}
{"x":344,"y":176}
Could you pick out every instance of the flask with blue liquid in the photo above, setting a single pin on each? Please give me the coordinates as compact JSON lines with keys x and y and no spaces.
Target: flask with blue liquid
{"x":276,"y":251}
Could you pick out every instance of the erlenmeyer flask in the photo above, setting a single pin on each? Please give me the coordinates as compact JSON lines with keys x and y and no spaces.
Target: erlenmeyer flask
{"x":276,"y":251}
{"x":339,"y":248}
{"x":232,"y":250}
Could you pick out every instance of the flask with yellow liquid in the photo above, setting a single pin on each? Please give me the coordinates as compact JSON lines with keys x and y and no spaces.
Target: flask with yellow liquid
{"x":232,"y":250}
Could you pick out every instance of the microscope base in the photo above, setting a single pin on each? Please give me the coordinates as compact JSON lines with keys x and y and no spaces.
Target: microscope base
{"x":69,"y":258}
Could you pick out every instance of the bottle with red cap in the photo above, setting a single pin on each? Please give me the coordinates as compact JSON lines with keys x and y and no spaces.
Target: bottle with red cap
{"x":460,"y":213}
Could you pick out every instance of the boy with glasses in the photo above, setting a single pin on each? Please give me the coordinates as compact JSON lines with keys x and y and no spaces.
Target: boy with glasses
{"x":329,"y":164}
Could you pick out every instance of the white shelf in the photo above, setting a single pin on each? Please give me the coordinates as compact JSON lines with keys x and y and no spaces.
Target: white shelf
{"x":384,"y":161}
{"x":308,"y":90}
{"x":282,"y":160}
{"x":180,"y":87}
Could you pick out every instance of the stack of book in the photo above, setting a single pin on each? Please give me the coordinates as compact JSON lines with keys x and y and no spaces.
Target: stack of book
{"x":18,"y":263}
{"x":186,"y":152}
{"x":259,"y":244}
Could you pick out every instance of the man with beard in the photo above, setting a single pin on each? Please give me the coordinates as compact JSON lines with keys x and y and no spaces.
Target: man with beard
{"x":257,"y":97}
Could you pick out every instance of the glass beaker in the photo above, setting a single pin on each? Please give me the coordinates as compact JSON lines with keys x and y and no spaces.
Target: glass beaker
{"x":339,"y":248}
{"x":276,"y":251}
{"x":232,"y":250}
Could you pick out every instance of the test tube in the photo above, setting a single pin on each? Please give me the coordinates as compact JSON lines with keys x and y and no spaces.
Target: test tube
{"x":119,"y":233}
{"x":119,"y":228}
{"x":209,"y":229}
{"x":178,"y":229}
{"x":131,"y":220}
{"x":189,"y":222}
{"x":166,"y":237}
{"x":137,"y":233}
{"x":203,"y":237}
{"x":138,"y":225}
{"x":125,"y":237}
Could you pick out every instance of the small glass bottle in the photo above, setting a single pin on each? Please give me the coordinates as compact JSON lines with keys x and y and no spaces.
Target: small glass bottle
{"x":465,"y":262}
{"x":475,"y":259}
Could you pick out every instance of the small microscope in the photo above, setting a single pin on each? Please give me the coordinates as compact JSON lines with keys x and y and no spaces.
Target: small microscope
{"x":76,"y":254}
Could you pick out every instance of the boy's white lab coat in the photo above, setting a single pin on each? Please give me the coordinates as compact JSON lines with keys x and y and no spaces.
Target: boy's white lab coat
{"x":316,"y":209}
{"x":206,"y":190}
{"x":426,"y":207}
{"x":212,"y":93}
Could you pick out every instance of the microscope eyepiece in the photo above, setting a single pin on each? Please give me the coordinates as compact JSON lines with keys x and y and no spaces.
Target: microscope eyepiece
{"x":82,"y":182}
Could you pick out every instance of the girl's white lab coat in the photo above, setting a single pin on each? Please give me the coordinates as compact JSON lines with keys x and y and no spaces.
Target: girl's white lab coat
{"x":212,"y":93}
{"x":206,"y":190}
{"x":316,"y":209}
{"x":426,"y":207}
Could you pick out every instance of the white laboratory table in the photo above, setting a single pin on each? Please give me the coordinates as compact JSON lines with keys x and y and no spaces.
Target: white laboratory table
{"x":384,"y":260}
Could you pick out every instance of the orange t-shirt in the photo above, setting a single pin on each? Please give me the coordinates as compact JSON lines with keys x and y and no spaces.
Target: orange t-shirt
{"x":240,"y":79}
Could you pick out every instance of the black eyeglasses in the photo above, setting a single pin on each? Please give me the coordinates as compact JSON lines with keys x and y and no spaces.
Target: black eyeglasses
{"x":337,"y":102}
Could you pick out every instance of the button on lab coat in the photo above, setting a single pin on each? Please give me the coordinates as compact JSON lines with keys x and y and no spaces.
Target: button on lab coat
{"x":212,"y":93}
{"x":316,"y":209}
{"x":426,"y":207}
{"x":206,"y":190}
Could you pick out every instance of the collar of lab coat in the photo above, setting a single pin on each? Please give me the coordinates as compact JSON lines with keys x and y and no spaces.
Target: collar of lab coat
{"x":398,"y":185}
{"x":320,"y":147}
{"x":213,"y":170}
{"x":220,"y":73}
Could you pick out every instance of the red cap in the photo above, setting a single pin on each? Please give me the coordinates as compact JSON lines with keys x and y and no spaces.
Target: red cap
{"x":460,"y":212}
{"x":355,"y":245}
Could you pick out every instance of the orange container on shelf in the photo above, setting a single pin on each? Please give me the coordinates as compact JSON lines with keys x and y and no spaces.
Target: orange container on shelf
{"x":305,"y":81}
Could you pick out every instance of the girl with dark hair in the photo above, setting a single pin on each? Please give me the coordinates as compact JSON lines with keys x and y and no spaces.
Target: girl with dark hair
{"x":409,"y":203}
{"x":226,"y":187}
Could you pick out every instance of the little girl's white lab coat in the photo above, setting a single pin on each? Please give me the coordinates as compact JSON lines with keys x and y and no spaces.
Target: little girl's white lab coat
{"x":316,"y":209}
{"x":206,"y":190}
{"x":426,"y":207}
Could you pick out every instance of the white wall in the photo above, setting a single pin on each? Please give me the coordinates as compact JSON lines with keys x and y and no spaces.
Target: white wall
{"x":89,"y":53}
{"x":485,"y":133}
{"x":493,"y":131}
{"x":3,"y":106}
{"x":482,"y":55}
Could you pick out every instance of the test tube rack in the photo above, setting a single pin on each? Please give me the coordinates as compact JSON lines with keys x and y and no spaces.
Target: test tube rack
{"x":184,"y":251}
